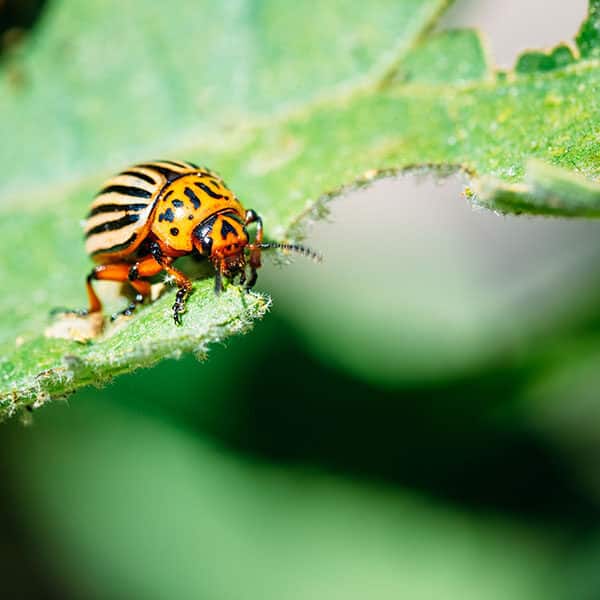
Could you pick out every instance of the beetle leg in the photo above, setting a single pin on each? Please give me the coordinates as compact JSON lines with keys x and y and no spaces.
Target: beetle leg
{"x":218,"y":279}
{"x":94,"y":302}
{"x":253,"y":217}
{"x":185,"y":288}
{"x":253,"y":277}
{"x":143,"y":289}
{"x":182,"y":282}
{"x":179,"y":305}
{"x":145,"y":267}
{"x":114,"y":272}
{"x":255,"y":249}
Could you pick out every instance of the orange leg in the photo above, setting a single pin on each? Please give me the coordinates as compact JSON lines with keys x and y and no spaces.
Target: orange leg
{"x":145,"y":267}
{"x":255,"y":248}
{"x":160,"y":254}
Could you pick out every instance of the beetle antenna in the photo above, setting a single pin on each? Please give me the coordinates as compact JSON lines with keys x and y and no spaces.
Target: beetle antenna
{"x":303,"y":250}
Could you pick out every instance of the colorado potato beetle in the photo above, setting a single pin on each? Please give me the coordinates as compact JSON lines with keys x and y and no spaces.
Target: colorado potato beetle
{"x":149,"y":215}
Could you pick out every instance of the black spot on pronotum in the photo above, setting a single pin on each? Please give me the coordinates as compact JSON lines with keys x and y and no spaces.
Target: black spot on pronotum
{"x":207,"y":190}
{"x":103,"y":208}
{"x":174,"y":231}
{"x":189,"y":192}
{"x":190,"y":217}
{"x":226,"y":228}
{"x":112,"y":225}
{"x":166,"y":216}
{"x":126,"y":190}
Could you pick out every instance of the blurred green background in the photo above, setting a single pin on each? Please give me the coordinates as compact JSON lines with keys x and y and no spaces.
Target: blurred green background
{"x":443,"y":444}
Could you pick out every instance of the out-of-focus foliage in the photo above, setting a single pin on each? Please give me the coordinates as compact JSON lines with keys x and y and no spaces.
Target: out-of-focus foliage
{"x":163,"y":517}
{"x":449,"y":289}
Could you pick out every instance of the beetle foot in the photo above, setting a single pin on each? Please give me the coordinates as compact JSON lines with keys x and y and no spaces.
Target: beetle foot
{"x":179,"y":306}
{"x":129,"y":309}
{"x":126,"y":312}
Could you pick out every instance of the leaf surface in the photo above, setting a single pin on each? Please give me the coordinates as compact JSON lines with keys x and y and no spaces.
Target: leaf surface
{"x":288,"y":123}
{"x":208,"y":82}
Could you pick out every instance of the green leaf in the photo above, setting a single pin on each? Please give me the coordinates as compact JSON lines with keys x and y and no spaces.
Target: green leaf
{"x":290,"y":107}
{"x":588,"y":39}
{"x":559,"y":57}
{"x":105,"y":82}
{"x":102,"y":84}
{"x":547,"y":190}
{"x":55,"y":367}
{"x":450,"y":57}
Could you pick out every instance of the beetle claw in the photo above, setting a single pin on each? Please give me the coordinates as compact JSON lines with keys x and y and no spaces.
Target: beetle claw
{"x":177,"y":315}
{"x":129,"y":309}
{"x":179,"y":306}
{"x":126,"y":312}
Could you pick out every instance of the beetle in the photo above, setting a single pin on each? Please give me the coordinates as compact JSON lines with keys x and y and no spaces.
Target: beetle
{"x":149,"y":215}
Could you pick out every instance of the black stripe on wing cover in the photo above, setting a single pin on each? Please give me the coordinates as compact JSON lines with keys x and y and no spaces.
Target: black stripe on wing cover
{"x":113,"y":225}
{"x":143,"y":176}
{"x":116,"y":247}
{"x":126,"y":190}
{"x":103,"y":208}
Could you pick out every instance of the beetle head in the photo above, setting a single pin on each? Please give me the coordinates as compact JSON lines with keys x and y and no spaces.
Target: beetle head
{"x":223,"y":239}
